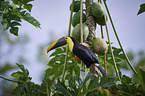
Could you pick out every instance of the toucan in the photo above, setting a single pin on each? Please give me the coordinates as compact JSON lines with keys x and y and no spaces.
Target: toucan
{"x":81,"y":51}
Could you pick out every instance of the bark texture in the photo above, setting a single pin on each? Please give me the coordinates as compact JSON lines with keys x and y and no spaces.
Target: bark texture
{"x":90,"y":21}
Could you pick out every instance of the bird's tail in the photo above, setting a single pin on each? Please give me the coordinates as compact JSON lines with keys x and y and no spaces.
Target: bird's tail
{"x":100,"y":69}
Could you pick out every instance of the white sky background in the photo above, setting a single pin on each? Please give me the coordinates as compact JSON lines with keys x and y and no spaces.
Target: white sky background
{"x":53,"y":16}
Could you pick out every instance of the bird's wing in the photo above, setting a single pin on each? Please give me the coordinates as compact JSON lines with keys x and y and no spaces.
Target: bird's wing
{"x":84,"y":54}
{"x":93,"y":56}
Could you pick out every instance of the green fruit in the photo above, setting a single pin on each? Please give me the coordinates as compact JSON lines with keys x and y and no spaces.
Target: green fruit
{"x":76,"y":19}
{"x":76,"y":32}
{"x":76,"y":6}
{"x":97,"y":9}
{"x":99,"y":46}
{"x":101,"y":20}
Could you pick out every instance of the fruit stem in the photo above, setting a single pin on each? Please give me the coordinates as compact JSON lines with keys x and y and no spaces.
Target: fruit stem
{"x":129,"y":63}
{"x":112,"y":55}
{"x":105,"y":53}
{"x":70,"y":20}
{"x":105,"y":63}
{"x":102,"y":31}
{"x":81,"y":13}
{"x":69,"y":30}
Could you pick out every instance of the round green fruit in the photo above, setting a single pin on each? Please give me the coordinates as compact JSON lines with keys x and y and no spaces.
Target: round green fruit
{"x":101,"y":20}
{"x":76,"y":6}
{"x":97,"y":9}
{"x":76,"y":18}
{"x":99,"y":46}
{"x":76,"y":32}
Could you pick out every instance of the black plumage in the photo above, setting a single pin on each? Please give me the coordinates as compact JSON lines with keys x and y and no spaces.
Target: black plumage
{"x":86,"y":55}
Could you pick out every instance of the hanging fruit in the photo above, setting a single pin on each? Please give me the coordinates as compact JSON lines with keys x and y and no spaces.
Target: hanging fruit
{"x":76,"y":19}
{"x":99,"y":46}
{"x":76,"y":6}
{"x":101,"y":20}
{"x":76,"y":32}
{"x":97,"y":9}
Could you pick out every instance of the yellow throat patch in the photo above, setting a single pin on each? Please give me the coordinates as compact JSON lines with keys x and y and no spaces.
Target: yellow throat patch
{"x":70,"y":43}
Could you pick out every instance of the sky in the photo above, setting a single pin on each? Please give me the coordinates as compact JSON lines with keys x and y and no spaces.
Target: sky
{"x":54,"y":15}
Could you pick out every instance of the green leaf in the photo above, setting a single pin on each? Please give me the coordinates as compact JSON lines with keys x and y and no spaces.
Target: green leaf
{"x":28,"y":89}
{"x":83,"y":86}
{"x":141,"y":76}
{"x":21,"y":67}
{"x":58,"y":51}
{"x":25,"y":71}
{"x":15,"y":1}
{"x":93,"y":83}
{"x":62,"y":88}
{"x":12,"y":13}
{"x":127,"y":87}
{"x":27,"y":1}
{"x":126,"y":79}
{"x":47,"y":84}
{"x":74,"y":84}
{"x":142,"y":9}
{"x":27,"y":17}
{"x":106,"y":81}
{"x":11,"y":16}
{"x":56,"y":65}
{"x":13,"y":24}
{"x":28,"y":7}
{"x":17,"y":74}
{"x":14,"y":30}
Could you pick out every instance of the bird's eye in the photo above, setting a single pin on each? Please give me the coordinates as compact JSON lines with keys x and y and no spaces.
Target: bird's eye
{"x":65,"y":37}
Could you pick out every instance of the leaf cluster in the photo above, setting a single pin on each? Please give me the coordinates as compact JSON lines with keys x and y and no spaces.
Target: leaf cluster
{"x":57,"y":62}
{"x":76,"y":86}
{"x":83,"y":87}
{"x":128,"y":88}
{"x":25,"y":87}
{"x":142,"y":9}
{"x":12,"y":14}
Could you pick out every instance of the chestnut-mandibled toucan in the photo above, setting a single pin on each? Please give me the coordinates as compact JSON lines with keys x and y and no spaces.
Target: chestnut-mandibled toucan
{"x":82,"y":52}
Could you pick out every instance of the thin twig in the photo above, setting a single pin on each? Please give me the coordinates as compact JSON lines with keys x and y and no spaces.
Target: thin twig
{"x":112,"y":55}
{"x":81,"y":12}
{"x":8,"y":79}
{"x":102,"y":32}
{"x":69,"y":30}
{"x":47,"y":89}
{"x":105,"y":53}
{"x":129,"y":63}
{"x":72,"y":8}
{"x":105,"y":63}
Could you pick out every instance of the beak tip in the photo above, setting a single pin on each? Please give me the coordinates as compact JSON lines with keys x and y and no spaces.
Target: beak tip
{"x":47,"y":50}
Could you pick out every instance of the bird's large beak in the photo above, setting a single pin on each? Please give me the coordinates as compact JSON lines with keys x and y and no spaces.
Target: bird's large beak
{"x":60,"y":42}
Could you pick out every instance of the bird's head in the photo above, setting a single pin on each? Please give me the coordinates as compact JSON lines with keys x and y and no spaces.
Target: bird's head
{"x":60,"y":42}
